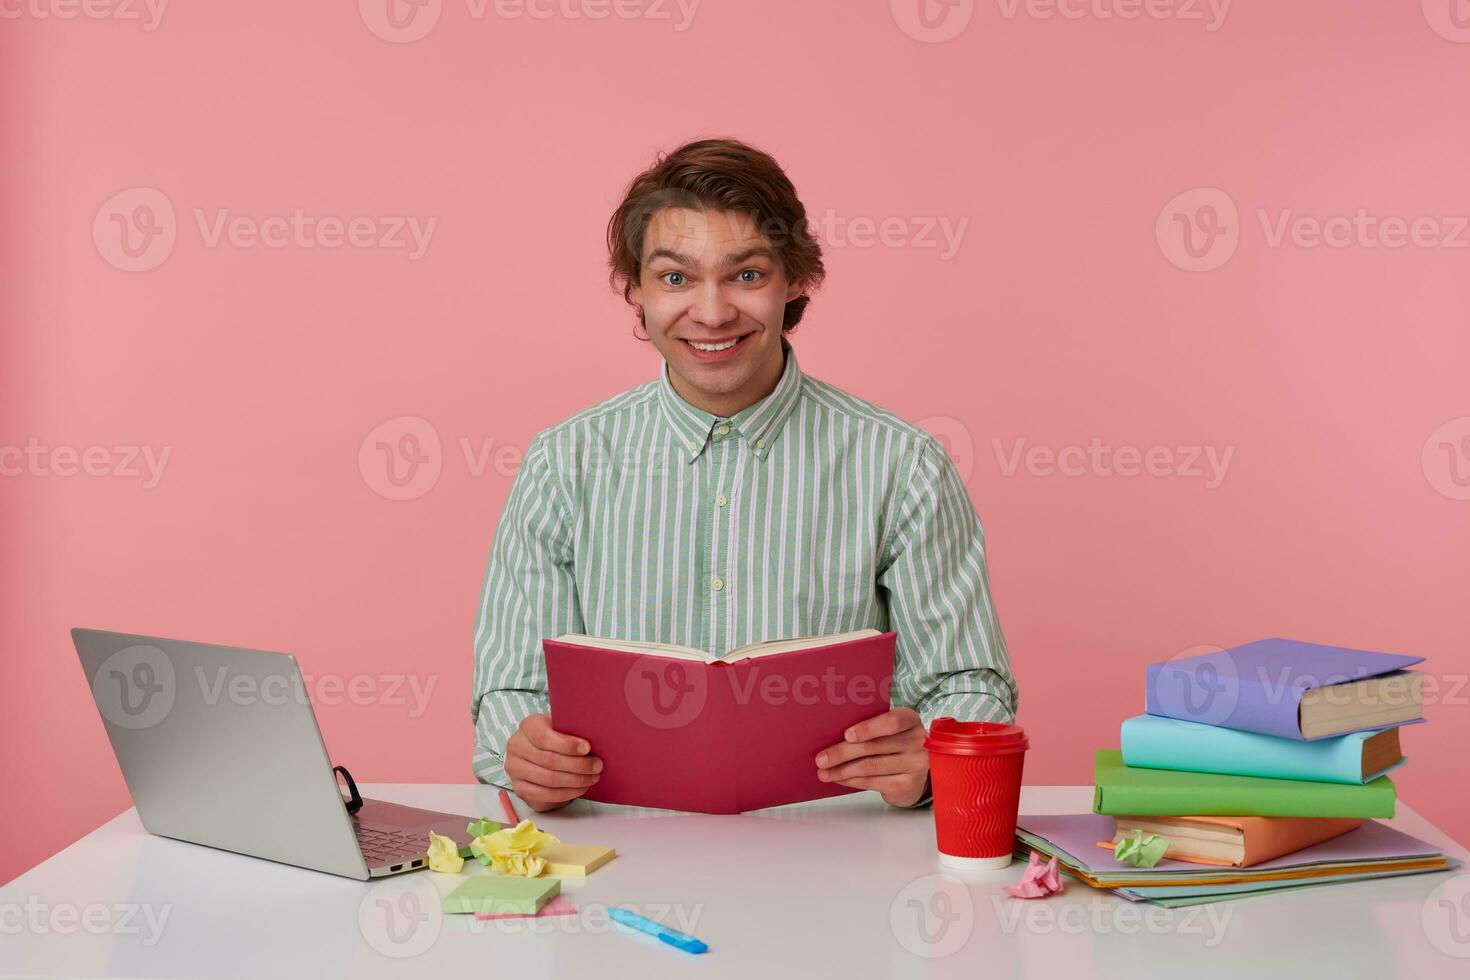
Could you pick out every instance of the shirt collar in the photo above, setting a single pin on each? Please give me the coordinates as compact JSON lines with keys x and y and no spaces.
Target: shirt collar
{"x":759,"y":424}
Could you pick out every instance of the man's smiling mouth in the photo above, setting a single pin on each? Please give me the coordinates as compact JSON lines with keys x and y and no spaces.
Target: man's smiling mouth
{"x":715,"y":347}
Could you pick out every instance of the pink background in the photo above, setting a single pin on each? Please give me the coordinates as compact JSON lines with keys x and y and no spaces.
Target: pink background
{"x":1062,"y":317}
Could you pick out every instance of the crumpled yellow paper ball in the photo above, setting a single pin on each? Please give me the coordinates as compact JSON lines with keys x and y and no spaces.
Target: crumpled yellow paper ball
{"x":512,"y":851}
{"x":444,"y":855}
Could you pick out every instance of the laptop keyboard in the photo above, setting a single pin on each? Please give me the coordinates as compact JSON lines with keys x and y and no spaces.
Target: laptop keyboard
{"x":381,"y":847}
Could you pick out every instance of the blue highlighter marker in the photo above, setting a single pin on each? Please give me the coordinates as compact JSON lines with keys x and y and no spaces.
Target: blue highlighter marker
{"x":676,"y":939}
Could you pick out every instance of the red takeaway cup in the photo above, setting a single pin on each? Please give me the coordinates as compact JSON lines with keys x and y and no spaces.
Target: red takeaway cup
{"x":975,"y":774}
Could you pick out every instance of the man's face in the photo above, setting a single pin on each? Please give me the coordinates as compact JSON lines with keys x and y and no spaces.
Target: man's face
{"x":713,"y":293}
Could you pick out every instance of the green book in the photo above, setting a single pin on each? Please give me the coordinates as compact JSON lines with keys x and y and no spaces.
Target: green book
{"x":501,"y":894}
{"x":1128,"y":791}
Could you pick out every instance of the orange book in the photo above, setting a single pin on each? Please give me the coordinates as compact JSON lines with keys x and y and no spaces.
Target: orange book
{"x":1233,"y":842}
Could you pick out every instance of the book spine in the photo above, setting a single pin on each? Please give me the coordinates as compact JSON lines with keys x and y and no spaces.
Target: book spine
{"x":718,"y":726}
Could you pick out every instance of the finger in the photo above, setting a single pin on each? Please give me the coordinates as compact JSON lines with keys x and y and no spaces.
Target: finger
{"x":881,"y":784}
{"x":538,"y":729}
{"x":874,"y":765}
{"x":542,"y":798}
{"x":895,"y":790}
{"x":542,"y":776}
{"x":846,"y":751}
{"x":888,"y":723}
{"x":585,"y":764}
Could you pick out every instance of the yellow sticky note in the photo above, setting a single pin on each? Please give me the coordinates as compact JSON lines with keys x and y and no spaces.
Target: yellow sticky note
{"x":575,"y":860}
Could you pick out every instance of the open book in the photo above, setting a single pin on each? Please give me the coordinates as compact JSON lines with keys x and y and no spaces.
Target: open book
{"x":678,"y":728}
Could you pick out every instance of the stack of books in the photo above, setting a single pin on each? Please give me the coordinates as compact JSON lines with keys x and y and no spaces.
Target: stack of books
{"x":1248,"y":754}
{"x":1261,"y":767}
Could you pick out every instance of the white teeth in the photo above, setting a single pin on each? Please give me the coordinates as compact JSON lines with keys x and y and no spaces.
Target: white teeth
{"x":713,"y":347}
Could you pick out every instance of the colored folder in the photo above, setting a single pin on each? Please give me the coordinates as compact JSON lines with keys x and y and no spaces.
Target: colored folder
{"x":1120,"y":789}
{"x":1372,"y":849}
{"x":1155,"y":742}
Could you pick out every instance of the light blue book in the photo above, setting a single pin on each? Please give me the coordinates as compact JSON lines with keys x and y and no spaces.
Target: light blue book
{"x":1155,"y":742}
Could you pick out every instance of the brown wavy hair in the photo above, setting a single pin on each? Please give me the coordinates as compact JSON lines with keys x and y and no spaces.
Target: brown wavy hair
{"x":721,"y":175}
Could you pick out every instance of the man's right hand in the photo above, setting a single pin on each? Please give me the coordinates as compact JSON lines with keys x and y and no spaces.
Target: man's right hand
{"x":548,"y":769}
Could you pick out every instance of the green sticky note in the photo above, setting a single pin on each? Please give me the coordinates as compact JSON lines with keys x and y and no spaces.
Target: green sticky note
{"x":501,"y":893}
{"x":481,"y":827}
{"x":1141,"y":851}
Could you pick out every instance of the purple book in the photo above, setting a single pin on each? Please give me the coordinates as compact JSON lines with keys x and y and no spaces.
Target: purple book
{"x":1258,"y":687}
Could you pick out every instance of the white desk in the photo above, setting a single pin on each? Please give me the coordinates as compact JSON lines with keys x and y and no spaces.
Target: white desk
{"x":817,"y":890}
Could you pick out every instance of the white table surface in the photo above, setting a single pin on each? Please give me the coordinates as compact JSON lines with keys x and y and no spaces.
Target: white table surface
{"x":840,"y":888}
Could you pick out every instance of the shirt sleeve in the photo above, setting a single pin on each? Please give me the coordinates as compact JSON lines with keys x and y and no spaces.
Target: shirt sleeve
{"x":951,"y":657}
{"x":529,"y":593}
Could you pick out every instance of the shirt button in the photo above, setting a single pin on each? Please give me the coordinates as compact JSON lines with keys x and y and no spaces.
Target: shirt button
{"x":721,"y":500}
{"x":760,"y":444}
{"x":692,"y":445}
{"x":717,"y":584}
{"x":722,"y":430}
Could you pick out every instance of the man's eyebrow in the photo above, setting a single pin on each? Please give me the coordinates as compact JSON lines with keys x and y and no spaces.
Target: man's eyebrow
{"x":757,"y":251}
{"x":670,"y":254}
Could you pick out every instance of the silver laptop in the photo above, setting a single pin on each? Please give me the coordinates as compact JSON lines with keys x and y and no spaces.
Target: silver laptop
{"x":219,"y":746}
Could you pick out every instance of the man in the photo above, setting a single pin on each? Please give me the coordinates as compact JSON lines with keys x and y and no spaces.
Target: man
{"x":735,"y":499}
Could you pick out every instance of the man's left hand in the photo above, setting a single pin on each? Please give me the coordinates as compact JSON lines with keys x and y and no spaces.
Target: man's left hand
{"x":885,"y":753}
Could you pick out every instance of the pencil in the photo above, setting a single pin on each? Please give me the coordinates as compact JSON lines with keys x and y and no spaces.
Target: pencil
{"x":510,"y":810}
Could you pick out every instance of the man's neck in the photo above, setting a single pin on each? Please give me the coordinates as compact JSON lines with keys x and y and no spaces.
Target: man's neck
{"x":725,"y":404}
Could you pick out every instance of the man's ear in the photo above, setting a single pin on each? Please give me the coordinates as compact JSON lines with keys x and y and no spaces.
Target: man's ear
{"x":635,"y":295}
{"x":794,"y":289}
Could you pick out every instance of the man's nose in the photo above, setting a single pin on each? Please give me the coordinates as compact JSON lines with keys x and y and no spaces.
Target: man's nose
{"x":712,"y":308}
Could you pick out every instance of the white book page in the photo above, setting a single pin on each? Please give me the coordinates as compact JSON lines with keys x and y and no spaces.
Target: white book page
{"x":770,"y":648}
{"x":670,"y":650}
{"x":750,"y":651}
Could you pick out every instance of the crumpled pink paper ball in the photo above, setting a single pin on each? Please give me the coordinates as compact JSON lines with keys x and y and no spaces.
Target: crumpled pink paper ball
{"x":1037,"y":881}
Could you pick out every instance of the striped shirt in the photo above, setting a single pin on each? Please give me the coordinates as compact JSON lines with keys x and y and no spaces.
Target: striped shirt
{"x":810,"y":512}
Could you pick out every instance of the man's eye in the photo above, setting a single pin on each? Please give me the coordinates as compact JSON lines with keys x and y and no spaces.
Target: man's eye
{"x":673,"y":278}
{"x":750,"y":275}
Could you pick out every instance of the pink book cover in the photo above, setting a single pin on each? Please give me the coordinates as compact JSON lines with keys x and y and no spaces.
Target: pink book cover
{"x":715,"y":737}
